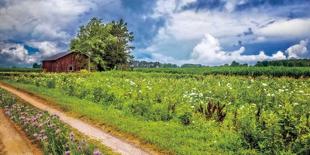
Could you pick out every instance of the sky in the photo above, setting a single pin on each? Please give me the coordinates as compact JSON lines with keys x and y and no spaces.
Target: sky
{"x":208,"y":32}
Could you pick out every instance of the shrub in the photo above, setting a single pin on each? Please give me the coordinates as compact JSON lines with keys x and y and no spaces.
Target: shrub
{"x":212,"y":110}
{"x":186,"y":118}
{"x":101,"y":96}
{"x":51,"y":84}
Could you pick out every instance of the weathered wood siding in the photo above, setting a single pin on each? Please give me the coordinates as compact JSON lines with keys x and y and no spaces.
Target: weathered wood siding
{"x":68,"y":63}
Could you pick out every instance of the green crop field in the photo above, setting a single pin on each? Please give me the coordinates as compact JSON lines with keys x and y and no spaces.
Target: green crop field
{"x":295,"y":72}
{"x":191,"y":113}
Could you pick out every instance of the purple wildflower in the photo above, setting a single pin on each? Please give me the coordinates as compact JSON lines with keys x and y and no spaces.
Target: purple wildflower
{"x":96,"y":152}
{"x":67,"y":153}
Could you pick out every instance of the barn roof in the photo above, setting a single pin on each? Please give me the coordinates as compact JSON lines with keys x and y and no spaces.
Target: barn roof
{"x":57,"y":56}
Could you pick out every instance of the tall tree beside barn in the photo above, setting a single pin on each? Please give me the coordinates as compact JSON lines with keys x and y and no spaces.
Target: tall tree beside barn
{"x":107,"y":45}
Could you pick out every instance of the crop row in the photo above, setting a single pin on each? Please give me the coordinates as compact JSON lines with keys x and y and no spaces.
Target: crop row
{"x":295,"y":72}
{"x":47,"y":130}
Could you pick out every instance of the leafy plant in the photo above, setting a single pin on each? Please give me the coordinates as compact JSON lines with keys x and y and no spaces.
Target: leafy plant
{"x":186,"y":118}
{"x":212,"y":110}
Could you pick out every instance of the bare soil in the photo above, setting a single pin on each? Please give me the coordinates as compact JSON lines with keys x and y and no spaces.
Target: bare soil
{"x":115,"y":143}
{"x":13,"y":141}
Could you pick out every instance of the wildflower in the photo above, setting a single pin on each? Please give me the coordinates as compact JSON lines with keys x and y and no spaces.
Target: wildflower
{"x":96,"y":152}
{"x":132,"y":83}
{"x":71,"y":136}
{"x":242,"y":107}
{"x":57,"y":131}
{"x":67,"y":153}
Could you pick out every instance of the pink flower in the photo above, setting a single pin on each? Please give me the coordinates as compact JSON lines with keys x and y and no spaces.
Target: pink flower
{"x":96,"y":152}
{"x":67,"y":153}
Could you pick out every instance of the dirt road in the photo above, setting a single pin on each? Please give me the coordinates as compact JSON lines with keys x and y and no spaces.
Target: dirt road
{"x":13,"y":142}
{"x":115,"y":143}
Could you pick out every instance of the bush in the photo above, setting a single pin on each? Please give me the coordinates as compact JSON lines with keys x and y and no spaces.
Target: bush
{"x":51,"y":84}
{"x":101,"y":96}
{"x":212,"y":110}
{"x":186,"y":118}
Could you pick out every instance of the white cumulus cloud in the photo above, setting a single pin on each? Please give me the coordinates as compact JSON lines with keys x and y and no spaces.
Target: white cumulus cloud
{"x":209,"y":52}
{"x":46,"y":48}
{"x":12,"y":54}
{"x":299,"y":50}
{"x":294,"y":28}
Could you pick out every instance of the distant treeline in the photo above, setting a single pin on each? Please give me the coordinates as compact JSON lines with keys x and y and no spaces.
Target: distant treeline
{"x":20,"y":70}
{"x":146,"y":64}
{"x":286,"y":63}
{"x":253,"y":71}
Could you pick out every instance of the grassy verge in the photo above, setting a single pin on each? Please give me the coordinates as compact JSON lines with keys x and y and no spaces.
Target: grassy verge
{"x":172,"y":137}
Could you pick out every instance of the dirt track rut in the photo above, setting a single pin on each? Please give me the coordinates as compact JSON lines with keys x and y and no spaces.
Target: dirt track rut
{"x":12,"y":141}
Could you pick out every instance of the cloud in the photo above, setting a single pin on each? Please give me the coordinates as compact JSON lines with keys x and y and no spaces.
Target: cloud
{"x":14,"y":55}
{"x":209,"y":52}
{"x":40,"y":19}
{"x":299,"y":50}
{"x":40,"y":24}
{"x":46,"y":48}
{"x":183,"y":30}
{"x":295,"y":28}
{"x":165,"y":8}
{"x":233,"y":23}
{"x":164,"y":29}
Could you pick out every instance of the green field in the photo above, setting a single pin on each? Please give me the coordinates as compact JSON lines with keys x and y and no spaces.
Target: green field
{"x":187,"y":113}
{"x":295,"y":72}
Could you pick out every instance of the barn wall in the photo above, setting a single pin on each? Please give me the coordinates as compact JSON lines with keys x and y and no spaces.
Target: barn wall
{"x":72,"y":61}
{"x":47,"y":66}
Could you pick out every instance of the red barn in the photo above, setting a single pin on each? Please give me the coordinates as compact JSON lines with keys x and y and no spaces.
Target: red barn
{"x":65,"y":62}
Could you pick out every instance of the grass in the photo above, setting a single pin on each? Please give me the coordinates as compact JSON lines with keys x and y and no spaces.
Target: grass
{"x":172,"y":137}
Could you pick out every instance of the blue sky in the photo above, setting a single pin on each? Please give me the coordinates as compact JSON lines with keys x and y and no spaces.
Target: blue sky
{"x":209,"y":32}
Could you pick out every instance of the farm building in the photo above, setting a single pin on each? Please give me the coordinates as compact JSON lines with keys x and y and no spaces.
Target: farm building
{"x":65,"y":62}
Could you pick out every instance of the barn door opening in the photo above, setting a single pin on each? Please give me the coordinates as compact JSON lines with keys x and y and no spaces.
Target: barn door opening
{"x":70,"y":68}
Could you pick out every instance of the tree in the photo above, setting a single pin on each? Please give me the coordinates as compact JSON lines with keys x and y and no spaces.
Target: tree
{"x":234,"y":63}
{"x":118,"y":51}
{"x":36,"y":65}
{"x":106,"y":45}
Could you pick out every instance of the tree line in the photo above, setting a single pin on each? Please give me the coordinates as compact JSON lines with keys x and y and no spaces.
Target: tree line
{"x":286,"y":63}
